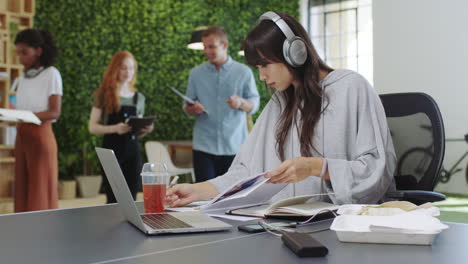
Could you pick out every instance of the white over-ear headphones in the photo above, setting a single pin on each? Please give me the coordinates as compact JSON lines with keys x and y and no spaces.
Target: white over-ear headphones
{"x":294,"y":48}
{"x":31,"y":73}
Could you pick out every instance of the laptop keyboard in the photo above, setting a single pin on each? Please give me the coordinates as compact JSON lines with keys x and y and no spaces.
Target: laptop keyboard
{"x":163,"y":221}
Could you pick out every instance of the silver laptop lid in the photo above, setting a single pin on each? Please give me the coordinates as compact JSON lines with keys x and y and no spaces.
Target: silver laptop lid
{"x":119,"y":187}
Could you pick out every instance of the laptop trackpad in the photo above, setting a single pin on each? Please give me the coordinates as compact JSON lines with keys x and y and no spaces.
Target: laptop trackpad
{"x":197,"y":219}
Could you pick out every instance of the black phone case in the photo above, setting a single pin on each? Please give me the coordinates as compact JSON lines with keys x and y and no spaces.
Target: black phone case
{"x":304,"y":245}
{"x":247,"y":229}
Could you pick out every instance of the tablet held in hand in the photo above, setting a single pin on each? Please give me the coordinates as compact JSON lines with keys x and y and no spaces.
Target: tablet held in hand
{"x":137,"y":123}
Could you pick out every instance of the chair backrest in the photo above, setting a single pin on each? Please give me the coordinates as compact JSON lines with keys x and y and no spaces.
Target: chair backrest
{"x":418,"y":135}
{"x":157,"y":152}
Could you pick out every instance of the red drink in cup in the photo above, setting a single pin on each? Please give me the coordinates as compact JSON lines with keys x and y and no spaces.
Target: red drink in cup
{"x":155,"y":180}
{"x":154,"y":196}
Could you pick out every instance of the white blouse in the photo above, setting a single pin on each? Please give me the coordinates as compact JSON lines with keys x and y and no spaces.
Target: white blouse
{"x":33,"y":93}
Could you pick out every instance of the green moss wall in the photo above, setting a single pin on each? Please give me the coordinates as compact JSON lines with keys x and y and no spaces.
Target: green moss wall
{"x":88,"y":32}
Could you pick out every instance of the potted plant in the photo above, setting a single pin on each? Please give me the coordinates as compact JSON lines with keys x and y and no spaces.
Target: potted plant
{"x":67,"y":183}
{"x":89,"y":183}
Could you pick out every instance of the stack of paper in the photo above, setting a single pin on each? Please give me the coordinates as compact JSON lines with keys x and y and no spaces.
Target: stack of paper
{"x":250,"y":191}
{"x":13,"y":115}
{"x":246,"y":192}
{"x":299,"y":206}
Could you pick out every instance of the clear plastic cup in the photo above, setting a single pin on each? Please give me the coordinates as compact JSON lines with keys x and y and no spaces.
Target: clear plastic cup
{"x":155,"y":179}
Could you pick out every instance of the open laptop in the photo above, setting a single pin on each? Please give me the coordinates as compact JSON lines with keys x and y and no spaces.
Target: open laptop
{"x":153,"y":224}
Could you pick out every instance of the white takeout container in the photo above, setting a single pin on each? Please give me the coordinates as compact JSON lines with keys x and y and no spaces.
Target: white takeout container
{"x":342,"y":225}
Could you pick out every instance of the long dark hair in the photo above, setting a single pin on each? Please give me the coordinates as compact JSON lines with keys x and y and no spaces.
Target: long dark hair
{"x":264,"y":45}
{"x":39,"y":38}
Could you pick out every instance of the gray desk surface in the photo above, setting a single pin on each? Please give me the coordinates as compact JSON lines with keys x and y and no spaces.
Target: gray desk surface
{"x":101,"y":235}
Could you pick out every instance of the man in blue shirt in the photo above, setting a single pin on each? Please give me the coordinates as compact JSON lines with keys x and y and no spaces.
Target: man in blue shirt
{"x":224,"y":91}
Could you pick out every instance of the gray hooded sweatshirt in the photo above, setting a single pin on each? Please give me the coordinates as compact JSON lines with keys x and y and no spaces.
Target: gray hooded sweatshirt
{"x":352,"y":135}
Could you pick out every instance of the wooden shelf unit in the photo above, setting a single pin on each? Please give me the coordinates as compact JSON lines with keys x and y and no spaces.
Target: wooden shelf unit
{"x":7,"y":169}
{"x":15,"y":15}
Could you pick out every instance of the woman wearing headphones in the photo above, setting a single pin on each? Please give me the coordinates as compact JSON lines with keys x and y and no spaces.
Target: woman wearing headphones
{"x":324,"y":130}
{"x":40,"y":91}
{"x":116,"y":99}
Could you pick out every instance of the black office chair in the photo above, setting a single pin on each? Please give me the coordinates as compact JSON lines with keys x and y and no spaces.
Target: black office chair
{"x":418,"y":135}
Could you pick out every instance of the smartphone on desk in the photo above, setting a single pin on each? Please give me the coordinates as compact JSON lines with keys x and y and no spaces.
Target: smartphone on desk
{"x":256,"y":228}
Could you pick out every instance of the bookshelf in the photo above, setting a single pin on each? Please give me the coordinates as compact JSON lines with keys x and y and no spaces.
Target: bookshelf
{"x":15,"y":15}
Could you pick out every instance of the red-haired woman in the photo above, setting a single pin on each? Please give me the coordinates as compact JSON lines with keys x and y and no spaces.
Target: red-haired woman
{"x":116,"y":99}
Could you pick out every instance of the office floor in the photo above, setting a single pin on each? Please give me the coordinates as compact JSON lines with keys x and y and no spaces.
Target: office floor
{"x":454,"y":209}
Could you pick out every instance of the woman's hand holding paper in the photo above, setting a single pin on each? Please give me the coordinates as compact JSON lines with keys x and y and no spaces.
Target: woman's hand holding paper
{"x":183,"y":194}
{"x":296,"y":170}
